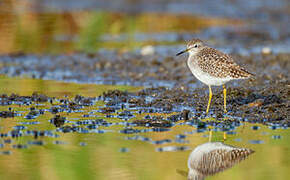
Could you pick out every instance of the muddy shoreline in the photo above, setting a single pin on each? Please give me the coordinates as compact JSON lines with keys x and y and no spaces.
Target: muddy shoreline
{"x":266,"y":106}
{"x":168,"y":84}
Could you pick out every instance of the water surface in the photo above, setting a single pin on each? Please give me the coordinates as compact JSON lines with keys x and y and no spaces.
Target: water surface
{"x":119,"y":149}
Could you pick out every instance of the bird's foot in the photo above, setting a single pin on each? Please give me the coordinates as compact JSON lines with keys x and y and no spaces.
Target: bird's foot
{"x":225,"y":111}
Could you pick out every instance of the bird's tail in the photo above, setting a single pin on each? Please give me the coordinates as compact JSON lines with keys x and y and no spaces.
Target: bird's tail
{"x":244,"y":74}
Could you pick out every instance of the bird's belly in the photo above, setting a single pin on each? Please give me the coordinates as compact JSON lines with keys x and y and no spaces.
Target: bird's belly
{"x":206,"y":78}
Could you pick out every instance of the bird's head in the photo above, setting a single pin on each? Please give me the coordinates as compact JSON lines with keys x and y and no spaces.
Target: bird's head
{"x":193,"y":47}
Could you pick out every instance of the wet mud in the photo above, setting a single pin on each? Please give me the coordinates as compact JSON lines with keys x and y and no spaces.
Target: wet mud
{"x":263,"y":99}
{"x":156,"y":108}
{"x":148,"y":110}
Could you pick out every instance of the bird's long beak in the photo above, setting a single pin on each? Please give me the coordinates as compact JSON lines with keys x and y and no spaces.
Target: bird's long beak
{"x":184,"y":51}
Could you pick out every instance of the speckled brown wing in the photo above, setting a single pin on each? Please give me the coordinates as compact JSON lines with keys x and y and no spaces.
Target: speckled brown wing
{"x":220,"y":65}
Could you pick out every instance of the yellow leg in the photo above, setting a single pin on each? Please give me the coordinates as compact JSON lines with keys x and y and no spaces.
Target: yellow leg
{"x":225,"y":98}
{"x":209,"y":99}
{"x":225,"y":136}
{"x":210,"y":135}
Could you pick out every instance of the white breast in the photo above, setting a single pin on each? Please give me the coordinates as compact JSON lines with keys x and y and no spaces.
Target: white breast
{"x":203,"y":76}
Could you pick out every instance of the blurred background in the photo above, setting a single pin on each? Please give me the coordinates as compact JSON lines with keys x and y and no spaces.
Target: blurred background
{"x":67,"y":26}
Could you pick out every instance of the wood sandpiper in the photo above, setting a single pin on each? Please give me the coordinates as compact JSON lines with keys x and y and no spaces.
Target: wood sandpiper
{"x":212,"y":67}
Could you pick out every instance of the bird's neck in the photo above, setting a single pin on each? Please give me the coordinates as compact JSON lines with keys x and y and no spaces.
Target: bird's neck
{"x":193,"y":53}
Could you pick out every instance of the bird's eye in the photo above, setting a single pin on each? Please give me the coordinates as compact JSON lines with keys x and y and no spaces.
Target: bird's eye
{"x":195,"y":45}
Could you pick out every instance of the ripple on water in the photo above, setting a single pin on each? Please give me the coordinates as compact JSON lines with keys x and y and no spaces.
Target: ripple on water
{"x":255,"y":127}
{"x":37,"y":143}
{"x":57,"y":142}
{"x":163,"y":141}
{"x":124,"y":150}
{"x":172,"y":148}
{"x":19,"y":146}
{"x":5,"y":152}
{"x":30,"y":123}
{"x":256,"y":142}
{"x":139,"y":138}
{"x":238,"y":139}
{"x":19,"y":127}
{"x":83,"y":144}
{"x":276,"y":137}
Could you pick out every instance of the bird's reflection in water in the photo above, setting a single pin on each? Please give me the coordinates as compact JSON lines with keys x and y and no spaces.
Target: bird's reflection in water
{"x":210,"y":158}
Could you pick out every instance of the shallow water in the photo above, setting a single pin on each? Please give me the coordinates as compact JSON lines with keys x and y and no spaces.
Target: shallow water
{"x":115,"y":148}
